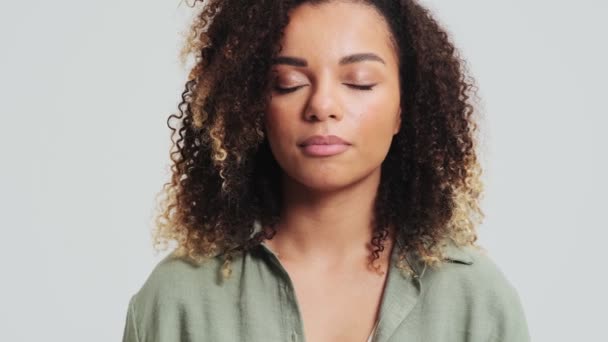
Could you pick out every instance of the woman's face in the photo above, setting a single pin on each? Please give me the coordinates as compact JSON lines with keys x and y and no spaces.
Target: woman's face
{"x":337,"y":74}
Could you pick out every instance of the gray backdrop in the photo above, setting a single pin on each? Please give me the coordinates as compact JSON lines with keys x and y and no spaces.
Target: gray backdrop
{"x":85,"y":89}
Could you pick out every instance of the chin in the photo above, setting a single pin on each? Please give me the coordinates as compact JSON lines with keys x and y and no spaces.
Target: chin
{"x":326,"y":182}
{"x":324,"y":185}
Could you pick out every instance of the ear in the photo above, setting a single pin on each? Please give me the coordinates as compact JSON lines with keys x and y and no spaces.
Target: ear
{"x":398,"y":122}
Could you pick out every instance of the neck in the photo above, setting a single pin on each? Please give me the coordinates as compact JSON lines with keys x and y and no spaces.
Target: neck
{"x":331,"y":227}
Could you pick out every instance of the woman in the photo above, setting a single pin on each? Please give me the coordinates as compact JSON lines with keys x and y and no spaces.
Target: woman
{"x":325,"y":184}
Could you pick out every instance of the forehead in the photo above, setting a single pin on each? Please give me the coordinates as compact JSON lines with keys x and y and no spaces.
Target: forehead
{"x":334,"y":29}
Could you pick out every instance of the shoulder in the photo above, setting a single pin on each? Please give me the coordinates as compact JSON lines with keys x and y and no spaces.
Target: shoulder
{"x":470,"y":272}
{"x":178,"y":271}
{"x":470,"y":282}
{"x":179,"y":294}
{"x":176,"y":281}
{"x":474,"y":267}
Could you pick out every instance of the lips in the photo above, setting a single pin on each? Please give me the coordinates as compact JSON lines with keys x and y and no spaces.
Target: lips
{"x":324,"y":145}
{"x":324,"y":140}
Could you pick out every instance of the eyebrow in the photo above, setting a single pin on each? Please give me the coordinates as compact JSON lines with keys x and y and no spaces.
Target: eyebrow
{"x":358,"y":57}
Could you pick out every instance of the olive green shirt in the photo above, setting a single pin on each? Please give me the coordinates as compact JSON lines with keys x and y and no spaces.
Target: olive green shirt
{"x":466,"y":299}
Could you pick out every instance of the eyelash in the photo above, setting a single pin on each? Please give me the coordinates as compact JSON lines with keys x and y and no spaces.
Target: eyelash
{"x":366,"y":87}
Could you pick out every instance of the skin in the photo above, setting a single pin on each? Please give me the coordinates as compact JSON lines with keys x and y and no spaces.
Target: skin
{"x":325,"y":229}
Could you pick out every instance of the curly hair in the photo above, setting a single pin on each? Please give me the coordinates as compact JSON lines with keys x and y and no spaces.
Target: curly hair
{"x":224,"y":177}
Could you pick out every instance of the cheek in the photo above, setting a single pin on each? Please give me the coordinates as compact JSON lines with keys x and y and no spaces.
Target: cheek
{"x":374,"y":128}
{"x":375,"y":119}
{"x":280,"y":124}
{"x":279,"y":115}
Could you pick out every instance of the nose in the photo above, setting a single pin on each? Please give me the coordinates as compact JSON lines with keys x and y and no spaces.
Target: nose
{"x":323,"y":103}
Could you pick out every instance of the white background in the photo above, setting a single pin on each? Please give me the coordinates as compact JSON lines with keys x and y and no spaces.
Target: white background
{"x":86,"y":87}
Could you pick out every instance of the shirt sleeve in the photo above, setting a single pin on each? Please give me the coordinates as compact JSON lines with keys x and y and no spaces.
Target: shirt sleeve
{"x":130,"y":328}
{"x":512,"y":326}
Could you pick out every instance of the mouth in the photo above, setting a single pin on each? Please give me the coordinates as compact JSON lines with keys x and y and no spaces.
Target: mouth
{"x":324,"y":140}
{"x":324,"y":150}
{"x":323,"y":146}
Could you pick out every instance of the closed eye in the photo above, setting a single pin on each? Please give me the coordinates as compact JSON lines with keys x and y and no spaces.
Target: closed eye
{"x":362,"y":86}
{"x":287,"y":90}
{"x":281,"y":90}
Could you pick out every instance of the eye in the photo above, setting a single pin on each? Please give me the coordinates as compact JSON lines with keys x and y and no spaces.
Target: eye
{"x":286,"y":90}
{"x":361,"y":86}
{"x":281,"y":90}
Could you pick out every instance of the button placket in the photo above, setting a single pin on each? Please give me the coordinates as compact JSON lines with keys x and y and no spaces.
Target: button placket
{"x":296,"y":324}
{"x":290,"y":306}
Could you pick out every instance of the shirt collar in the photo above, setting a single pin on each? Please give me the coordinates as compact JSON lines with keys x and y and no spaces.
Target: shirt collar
{"x":454,"y":253}
{"x":451,"y":251}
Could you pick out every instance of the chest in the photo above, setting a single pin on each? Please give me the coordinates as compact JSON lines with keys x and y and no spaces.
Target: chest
{"x":339,"y":307}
